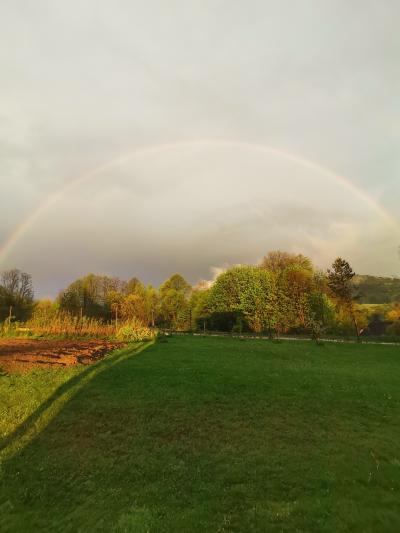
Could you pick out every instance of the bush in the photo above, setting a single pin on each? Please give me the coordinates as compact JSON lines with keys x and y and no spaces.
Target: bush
{"x":135,"y":331}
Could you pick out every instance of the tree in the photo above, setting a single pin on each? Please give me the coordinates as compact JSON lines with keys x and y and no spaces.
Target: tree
{"x":298,"y":283}
{"x":278,"y":261}
{"x":247,"y":291}
{"x":90,"y":296}
{"x":282,"y":306}
{"x":294,"y":276}
{"x":133,"y":285}
{"x":153,"y":302}
{"x":340,"y":283}
{"x":394,"y":313}
{"x":198,"y":306}
{"x":177,"y":283}
{"x":174,"y":302}
{"x":321,"y":309}
{"x":394,"y":316}
{"x":16,"y":294}
{"x":115,"y":301}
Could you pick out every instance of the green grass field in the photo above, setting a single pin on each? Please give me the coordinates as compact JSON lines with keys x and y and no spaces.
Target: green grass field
{"x":206,"y":434}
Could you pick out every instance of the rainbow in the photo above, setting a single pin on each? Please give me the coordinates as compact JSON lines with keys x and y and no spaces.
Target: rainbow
{"x":52,"y":198}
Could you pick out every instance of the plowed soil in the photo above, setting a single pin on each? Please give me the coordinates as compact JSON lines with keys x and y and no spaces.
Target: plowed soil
{"x":18,"y":355}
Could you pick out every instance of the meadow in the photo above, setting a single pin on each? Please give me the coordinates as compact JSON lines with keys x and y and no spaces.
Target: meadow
{"x":205,"y":434}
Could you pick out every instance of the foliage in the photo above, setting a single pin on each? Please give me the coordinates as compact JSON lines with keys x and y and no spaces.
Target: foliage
{"x":394,"y":329}
{"x":89,"y":296}
{"x":177,"y":283}
{"x":284,"y":294}
{"x":198,"y":307}
{"x":339,"y":280}
{"x":135,"y":331}
{"x":377,"y":290}
{"x":135,"y":306}
{"x":394,"y":313}
{"x":321,"y":312}
{"x":278,"y":261}
{"x":16,"y":294}
{"x":248,"y":292}
{"x":228,"y":321}
{"x":340,"y":283}
{"x":295,"y":281}
{"x":174,"y":303}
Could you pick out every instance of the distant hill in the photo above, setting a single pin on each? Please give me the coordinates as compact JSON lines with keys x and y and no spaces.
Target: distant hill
{"x":376,"y":290}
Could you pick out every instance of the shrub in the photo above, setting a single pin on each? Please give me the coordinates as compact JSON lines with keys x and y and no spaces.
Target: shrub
{"x":135,"y":331}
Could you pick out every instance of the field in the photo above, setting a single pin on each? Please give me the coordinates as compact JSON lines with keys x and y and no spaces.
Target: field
{"x":205,"y":434}
{"x":24,"y":354}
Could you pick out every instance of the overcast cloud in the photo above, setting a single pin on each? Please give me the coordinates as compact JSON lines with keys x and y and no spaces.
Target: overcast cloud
{"x":83,"y":82}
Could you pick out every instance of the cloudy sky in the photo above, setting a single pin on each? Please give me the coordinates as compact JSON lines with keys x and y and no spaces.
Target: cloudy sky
{"x":144,"y":138}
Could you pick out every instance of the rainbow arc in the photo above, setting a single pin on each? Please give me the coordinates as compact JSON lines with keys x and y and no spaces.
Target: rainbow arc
{"x":52,"y":198}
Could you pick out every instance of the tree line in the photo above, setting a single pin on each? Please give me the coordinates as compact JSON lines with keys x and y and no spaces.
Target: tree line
{"x":285,"y":293}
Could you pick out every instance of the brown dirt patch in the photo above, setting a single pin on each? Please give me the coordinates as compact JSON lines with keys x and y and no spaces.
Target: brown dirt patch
{"x":18,"y":355}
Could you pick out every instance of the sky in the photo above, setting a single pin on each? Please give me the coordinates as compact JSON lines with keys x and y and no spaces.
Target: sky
{"x":145,"y":138}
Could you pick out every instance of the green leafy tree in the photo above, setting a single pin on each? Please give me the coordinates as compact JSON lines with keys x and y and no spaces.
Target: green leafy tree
{"x":174,"y":309}
{"x":247,"y":291}
{"x":321,"y":308}
{"x":174,"y":302}
{"x":198,"y":307}
{"x":153,"y":302}
{"x":177,"y":283}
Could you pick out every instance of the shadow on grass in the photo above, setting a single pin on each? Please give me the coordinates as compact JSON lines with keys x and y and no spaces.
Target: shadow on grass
{"x":38,"y":420}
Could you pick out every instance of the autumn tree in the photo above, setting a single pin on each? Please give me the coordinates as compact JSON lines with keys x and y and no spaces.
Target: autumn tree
{"x":115,"y":300}
{"x":132,"y":285}
{"x":134,"y":306}
{"x":293,"y":275}
{"x":394,"y":313}
{"x":298,"y":282}
{"x":278,"y":261}
{"x":140,"y":304}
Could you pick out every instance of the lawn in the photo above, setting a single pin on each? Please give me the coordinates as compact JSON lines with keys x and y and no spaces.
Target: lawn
{"x":206,"y":434}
